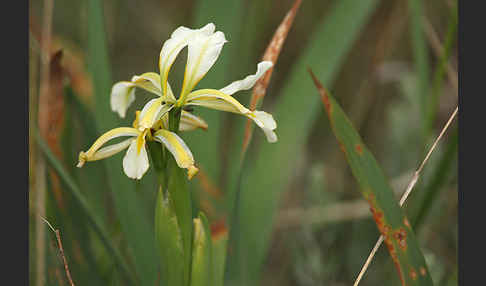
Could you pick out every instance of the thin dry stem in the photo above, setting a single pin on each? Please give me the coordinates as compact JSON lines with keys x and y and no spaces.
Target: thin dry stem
{"x":271,"y":54}
{"x":61,"y":249}
{"x":43,"y":128}
{"x":406,"y":194}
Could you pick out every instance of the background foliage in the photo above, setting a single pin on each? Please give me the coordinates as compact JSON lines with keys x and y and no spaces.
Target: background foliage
{"x":299,"y":217}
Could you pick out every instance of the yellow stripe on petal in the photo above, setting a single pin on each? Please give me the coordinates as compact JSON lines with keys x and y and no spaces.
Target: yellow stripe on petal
{"x":112,"y":134}
{"x":111,"y":150}
{"x":178,"y":149}
{"x":135,"y":162}
{"x":152,"y":112}
{"x":215,"y":99}
{"x":141,"y":141}
{"x":149,"y":81}
{"x":203,"y":51}
{"x":172,"y":47}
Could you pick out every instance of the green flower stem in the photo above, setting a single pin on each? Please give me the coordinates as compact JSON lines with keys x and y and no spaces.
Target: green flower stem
{"x":174,"y":180}
{"x":159,"y":161}
{"x":174,"y":119}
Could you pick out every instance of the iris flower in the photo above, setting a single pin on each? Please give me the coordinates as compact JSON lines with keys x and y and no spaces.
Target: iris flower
{"x":204,"y":46}
{"x":136,"y":162}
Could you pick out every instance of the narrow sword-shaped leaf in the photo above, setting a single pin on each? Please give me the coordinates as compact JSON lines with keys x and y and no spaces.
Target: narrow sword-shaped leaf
{"x":169,"y":241}
{"x":99,"y":228}
{"x":129,"y":207}
{"x":390,"y":219}
{"x":419,"y":47}
{"x":201,"y":273}
{"x":295,"y":111}
{"x":228,"y":17}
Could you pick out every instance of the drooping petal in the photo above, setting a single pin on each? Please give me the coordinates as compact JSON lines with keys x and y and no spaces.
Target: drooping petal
{"x":91,"y":154}
{"x":123,"y":92}
{"x":203,"y":51}
{"x":266,"y":122}
{"x":122,"y":95}
{"x":135,"y":162}
{"x":172,"y":47}
{"x":191,"y":122}
{"x":179,"y":150}
{"x":149,"y":81}
{"x":249,"y":81}
{"x":152,"y":112}
{"x":111,"y":150}
{"x":215,"y":99}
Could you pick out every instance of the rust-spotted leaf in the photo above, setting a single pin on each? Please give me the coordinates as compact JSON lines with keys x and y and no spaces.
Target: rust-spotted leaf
{"x":389,"y":217}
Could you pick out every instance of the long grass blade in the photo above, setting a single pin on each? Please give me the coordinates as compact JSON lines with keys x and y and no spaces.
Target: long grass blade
{"x":419,"y":47}
{"x":404,"y":197}
{"x":130,"y":209}
{"x":294,"y":113}
{"x":228,"y":17}
{"x":98,"y":227}
{"x":43,"y":125}
{"x":391,"y":221}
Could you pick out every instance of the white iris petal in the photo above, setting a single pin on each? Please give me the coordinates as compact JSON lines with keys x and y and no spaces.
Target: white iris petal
{"x":249,"y":81}
{"x":135,"y":162}
{"x":203,"y":51}
{"x":173,"y":46}
{"x":122,"y":95}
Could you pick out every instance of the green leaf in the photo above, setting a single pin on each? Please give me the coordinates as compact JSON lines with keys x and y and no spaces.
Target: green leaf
{"x":219,"y":237}
{"x":295,"y":111}
{"x":92,"y":179}
{"x":201,"y":274}
{"x":389,"y":217}
{"x":99,"y":228}
{"x":436,"y":92}
{"x":228,"y":17}
{"x":130,"y":207}
{"x":421,"y":59}
{"x":179,"y":193}
{"x":169,"y":241}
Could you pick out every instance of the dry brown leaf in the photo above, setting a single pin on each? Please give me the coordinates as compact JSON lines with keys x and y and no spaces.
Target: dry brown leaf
{"x":271,"y":54}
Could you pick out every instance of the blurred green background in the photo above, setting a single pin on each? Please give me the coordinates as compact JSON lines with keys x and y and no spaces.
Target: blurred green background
{"x":300,"y":219}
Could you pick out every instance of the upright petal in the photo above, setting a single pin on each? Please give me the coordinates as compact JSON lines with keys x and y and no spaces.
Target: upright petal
{"x":152,"y":112}
{"x":249,"y":81}
{"x":172,"y":47}
{"x":203,"y":51}
{"x":122,"y":95}
{"x":93,"y":152}
{"x":135,"y":162}
{"x":179,"y":150}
